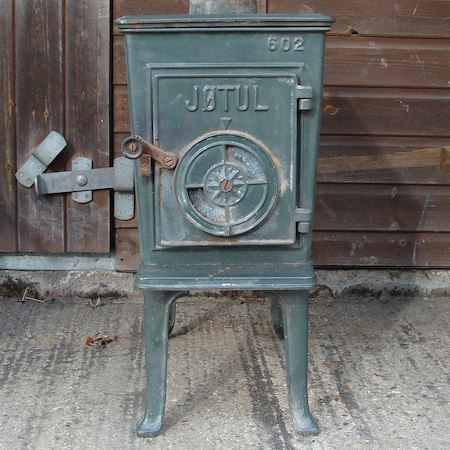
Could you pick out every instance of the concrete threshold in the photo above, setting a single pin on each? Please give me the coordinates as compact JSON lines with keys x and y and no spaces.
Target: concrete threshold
{"x":331,"y":283}
{"x":26,"y":261}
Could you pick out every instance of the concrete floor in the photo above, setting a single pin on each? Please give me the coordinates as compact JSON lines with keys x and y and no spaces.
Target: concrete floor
{"x":379,"y":375}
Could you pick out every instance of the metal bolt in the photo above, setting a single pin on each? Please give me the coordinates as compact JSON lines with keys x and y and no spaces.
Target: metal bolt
{"x":76,"y":195}
{"x":81,"y":180}
{"x":20,"y":174}
{"x":129,"y":212}
{"x":168,"y":161}
{"x":226,"y":185}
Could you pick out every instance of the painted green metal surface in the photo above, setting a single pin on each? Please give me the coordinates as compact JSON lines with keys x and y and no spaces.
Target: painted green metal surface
{"x":238,"y":93}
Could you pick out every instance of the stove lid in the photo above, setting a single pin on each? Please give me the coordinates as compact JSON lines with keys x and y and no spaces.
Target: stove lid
{"x":130,"y":24}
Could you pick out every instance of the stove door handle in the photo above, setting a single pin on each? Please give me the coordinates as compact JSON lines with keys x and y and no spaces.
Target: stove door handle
{"x":133,"y":147}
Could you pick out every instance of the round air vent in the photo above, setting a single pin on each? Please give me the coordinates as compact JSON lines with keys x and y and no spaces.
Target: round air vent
{"x":226,"y":184}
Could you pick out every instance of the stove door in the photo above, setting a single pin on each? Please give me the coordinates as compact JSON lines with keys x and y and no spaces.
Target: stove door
{"x":235,"y":134}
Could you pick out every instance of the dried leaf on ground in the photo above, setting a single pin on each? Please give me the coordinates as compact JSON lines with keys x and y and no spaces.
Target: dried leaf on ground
{"x":100,"y":341}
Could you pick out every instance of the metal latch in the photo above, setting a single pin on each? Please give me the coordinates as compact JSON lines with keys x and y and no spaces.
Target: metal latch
{"x":82,"y":180}
{"x":305,"y":95}
{"x":41,"y":158}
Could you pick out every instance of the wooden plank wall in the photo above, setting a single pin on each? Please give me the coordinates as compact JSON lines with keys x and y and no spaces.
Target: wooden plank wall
{"x":384,"y":166}
{"x":383,"y":191}
{"x":55,"y":66}
{"x":8,"y":197}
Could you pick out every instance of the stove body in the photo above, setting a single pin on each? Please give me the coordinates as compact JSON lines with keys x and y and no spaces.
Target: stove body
{"x":227,"y":112}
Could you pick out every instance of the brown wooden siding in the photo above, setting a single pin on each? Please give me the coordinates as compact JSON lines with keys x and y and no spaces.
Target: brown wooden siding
{"x":54,"y":77}
{"x":8,"y":195}
{"x":384,"y":163}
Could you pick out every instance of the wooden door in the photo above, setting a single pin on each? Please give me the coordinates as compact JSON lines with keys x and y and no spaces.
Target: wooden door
{"x":54,"y":76}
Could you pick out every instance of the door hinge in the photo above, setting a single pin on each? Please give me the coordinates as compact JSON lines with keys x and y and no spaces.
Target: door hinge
{"x":304,"y":95}
{"x":303,"y":217}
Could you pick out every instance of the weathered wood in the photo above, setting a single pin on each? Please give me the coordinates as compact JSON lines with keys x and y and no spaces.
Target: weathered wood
{"x":133,"y":223}
{"x":119,"y":66}
{"x":8,"y":221}
{"x":143,"y":7}
{"x":127,"y":250}
{"x":39,"y":105}
{"x":87,"y":117}
{"x":371,"y":249}
{"x":381,"y":62}
{"x":405,"y":18}
{"x":345,"y":159}
{"x":121,"y":110}
{"x":340,"y":249}
{"x":364,"y":61}
{"x":132,"y":7}
{"x":359,"y":207}
{"x":386,"y":112}
{"x":261,"y":6}
{"x":118,"y":139}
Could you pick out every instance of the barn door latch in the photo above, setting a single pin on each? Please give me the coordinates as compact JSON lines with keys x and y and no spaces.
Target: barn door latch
{"x":82,"y":179}
{"x":41,"y":158}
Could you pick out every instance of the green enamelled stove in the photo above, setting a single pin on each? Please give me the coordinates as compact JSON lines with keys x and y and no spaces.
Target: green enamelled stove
{"x":225,"y":116}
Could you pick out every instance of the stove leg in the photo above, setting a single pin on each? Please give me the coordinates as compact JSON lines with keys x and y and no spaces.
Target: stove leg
{"x":294,"y":306}
{"x":277,"y":317}
{"x":172,"y":317}
{"x":157,"y":309}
